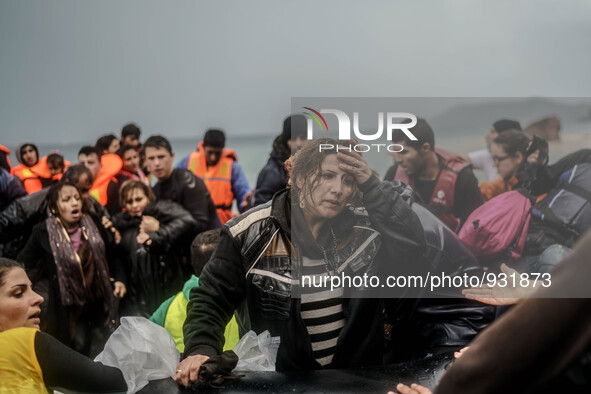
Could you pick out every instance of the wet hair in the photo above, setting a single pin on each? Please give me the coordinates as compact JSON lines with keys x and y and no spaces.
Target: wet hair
{"x":55,"y":160}
{"x":512,"y":141}
{"x":157,"y":142}
{"x":104,"y":142}
{"x":22,"y":147}
{"x":503,"y":125}
{"x":130,"y":185}
{"x":72,"y":175}
{"x":131,"y":129}
{"x":125,"y":148}
{"x":202,"y":248}
{"x":306,"y":165}
{"x":214,"y":138}
{"x":53,"y":197}
{"x":422,"y":131}
{"x":89,"y":150}
{"x":7,"y":265}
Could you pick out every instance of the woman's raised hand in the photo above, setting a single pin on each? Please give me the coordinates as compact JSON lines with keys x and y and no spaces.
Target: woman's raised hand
{"x":354,"y":163}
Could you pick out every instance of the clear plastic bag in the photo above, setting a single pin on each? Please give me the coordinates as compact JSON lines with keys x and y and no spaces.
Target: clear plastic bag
{"x":257,"y":353}
{"x":142,"y":350}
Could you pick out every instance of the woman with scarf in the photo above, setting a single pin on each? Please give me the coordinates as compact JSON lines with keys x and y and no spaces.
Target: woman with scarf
{"x":336,"y":219}
{"x":65,"y":256}
{"x":131,"y":170}
{"x":153,"y":234}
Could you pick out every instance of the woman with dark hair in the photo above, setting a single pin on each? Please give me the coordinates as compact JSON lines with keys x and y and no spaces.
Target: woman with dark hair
{"x":32,"y":361}
{"x":66,"y":256}
{"x":507,"y":151}
{"x":131,"y":170}
{"x":150,"y":235}
{"x":108,"y":143}
{"x":336,"y":219}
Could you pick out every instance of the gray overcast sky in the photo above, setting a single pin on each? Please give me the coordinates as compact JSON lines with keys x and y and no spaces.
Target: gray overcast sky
{"x":71,"y":70}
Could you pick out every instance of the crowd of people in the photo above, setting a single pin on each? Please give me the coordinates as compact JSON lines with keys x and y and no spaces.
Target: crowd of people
{"x":125,"y":232}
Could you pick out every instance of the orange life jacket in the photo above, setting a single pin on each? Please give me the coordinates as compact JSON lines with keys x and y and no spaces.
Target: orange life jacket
{"x":32,"y":176}
{"x":495,"y":187}
{"x":442,"y":200}
{"x":217,"y":179}
{"x":111,"y":165}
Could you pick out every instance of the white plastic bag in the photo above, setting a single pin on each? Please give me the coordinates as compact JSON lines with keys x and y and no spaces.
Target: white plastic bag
{"x":257,"y":353}
{"x":142,"y":350}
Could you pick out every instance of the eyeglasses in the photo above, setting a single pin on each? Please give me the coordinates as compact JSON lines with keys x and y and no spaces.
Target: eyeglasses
{"x":496,"y":159}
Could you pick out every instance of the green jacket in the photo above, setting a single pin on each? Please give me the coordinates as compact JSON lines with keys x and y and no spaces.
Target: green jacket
{"x":171,"y":315}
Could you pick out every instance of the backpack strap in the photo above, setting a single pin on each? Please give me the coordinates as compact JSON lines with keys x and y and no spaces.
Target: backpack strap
{"x":579,"y":191}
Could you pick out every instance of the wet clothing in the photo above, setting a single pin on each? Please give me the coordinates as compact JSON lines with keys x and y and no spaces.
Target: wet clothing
{"x":462,"y":197}
{"x":31,"y":361}
{"x":171,"y":314}
{"x":10,"y":189}
{"x":155,"y":271}
{"x":68,"y":321}
{"x":186,"y":189}
{"x":535,"y":340}
{"x":273,"y":176}
{"x":251,"y":272}
{"x":225,"y":181}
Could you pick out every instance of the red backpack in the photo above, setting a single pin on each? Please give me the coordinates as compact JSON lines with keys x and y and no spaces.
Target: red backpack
{"x":498,"y":227}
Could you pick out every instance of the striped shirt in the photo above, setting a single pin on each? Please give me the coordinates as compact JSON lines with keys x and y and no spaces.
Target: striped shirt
{"x":321,"y":311}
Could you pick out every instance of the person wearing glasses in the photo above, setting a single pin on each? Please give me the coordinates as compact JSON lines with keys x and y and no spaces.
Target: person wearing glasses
{"x":507,"y":151}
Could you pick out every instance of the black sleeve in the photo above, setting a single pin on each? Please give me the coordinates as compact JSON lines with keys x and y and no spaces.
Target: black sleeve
{"x":390,"y":173}
{"x":196,"y":200}
{"x":268,"y":183}
{"x":62,"y":367}
{"x":211,"y":304}
{"x":175,"y":222}
{"x":20,"y":216}
{"x":467,"y":196}
{"x":32,"y":252}
{"x":113,"y":206}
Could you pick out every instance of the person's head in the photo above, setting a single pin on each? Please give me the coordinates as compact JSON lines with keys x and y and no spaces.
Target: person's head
{"x":130,"y":135}
{"x":28,"y":154}
{"x":19,"y":304}
{"x":414,"y":156}
{"x":4,"y":160}
{"x":321,"y":188}
{"x":90,"y":156}
{"x":295,"y":132}
{"x":80,"y":176}
{"x":65,"y":201}
{"x":507,"y":151}
{"x":214,"y":141}
{"x":159,"y":157}
{"x":108,"y":144}
{"x":130,"y":158}
{"x":202,"y":248}
{"x":499,"y":127}
{"x":55,"y":163}
{"x":135,"y":196}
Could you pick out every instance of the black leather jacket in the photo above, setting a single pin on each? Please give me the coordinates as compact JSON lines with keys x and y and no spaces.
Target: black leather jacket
{"x":251,"y":271}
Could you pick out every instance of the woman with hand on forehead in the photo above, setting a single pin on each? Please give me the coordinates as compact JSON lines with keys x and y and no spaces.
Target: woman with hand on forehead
{"x":337,"y":217}
{"x":32,"y":361}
